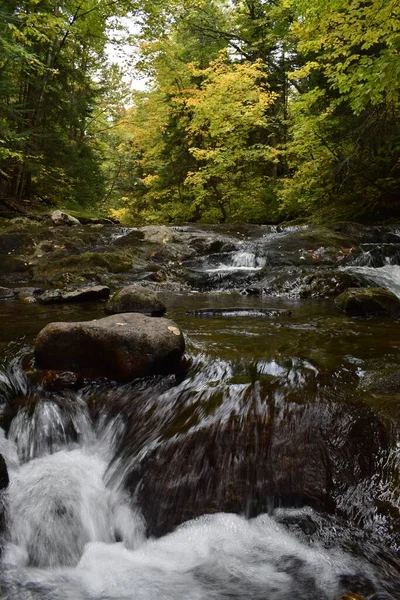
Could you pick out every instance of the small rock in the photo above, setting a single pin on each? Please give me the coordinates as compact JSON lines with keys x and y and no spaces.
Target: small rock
{"x":55,"y":381}
{"x":28,"y":293}
{"x":61,"y":218}
{"x":365,"y":302}
{"x":135,"y":299}
{"x":119,"y":347}
{"x":6,"y":293}
{"x":84,"y":294}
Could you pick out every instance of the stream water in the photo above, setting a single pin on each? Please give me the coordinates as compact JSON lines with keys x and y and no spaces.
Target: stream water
{"x":268,"y":470}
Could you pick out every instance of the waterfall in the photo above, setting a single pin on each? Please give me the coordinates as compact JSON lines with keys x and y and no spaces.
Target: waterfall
{"x":387,"y":276}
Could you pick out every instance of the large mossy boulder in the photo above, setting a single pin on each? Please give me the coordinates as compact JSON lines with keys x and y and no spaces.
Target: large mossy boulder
{"x":314,"y":245}
{"x":366,"y":302}
{"x":119,"y":347}
{"x":135,"y":299}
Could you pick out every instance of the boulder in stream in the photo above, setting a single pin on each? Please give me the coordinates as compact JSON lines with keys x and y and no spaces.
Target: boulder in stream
{"x":59,"y":217}
{"x":119,"y":347}
{"x":366,"y":302}
{"x":136,"y":299}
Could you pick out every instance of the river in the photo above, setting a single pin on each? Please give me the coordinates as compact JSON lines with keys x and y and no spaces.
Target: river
{"x":267,"y":470}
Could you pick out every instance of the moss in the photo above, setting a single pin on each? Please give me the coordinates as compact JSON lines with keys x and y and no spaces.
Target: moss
{"x":364,"y":302}
{"x":10,"y":264}
{"x":114,"y":262}
{"x":87,"y":266}
{"x":328,"y":237}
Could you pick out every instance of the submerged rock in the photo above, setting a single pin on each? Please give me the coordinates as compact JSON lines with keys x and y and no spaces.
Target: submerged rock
{"x":55,"y":381}
{"x":28,"y":294}
{"x":84,"y":294}
{"x":365,"y":302}
{"x":6,"y":293}
{"x":305,"y":283}
{"x":59,"y":217}
{"x":252,"y":463}
{"x":12,"y":264}
{"x":136,"y":299}
{"x":239,"y":312}
{"x":120,"y":347}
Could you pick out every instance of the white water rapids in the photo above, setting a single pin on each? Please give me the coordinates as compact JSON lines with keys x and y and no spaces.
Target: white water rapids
{"x":387,"y":276}
{"x":72,"y":537}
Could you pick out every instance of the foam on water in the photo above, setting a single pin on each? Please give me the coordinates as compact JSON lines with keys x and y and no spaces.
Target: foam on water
{"x":72,"y":536}
{"x":239,"y":261}
{"x":58,"y":503}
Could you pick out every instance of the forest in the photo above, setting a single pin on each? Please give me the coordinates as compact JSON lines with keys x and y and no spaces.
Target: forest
{"x":263,"y":111}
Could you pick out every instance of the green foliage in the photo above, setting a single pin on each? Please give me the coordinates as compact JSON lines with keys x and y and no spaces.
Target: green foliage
{"x":50,"y":53}
{"x":345,"y":127}
{"x":229,"y":130}
{"x":256,"y":109}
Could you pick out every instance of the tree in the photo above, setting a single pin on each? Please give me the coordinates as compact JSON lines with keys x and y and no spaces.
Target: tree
{"x":344,"y":153}
{"x":51,"y":53}
{"x":230,"y":130}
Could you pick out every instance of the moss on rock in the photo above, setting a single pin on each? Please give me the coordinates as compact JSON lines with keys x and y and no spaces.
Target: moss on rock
{"x":135,"y":298}
{"x":365,"y":302}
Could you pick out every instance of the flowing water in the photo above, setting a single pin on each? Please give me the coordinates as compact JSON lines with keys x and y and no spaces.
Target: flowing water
{"x":267,"y":470}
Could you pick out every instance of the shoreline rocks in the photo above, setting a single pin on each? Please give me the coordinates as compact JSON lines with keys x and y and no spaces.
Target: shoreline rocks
{"x":120,"y":347}
{"x":366,"y":302}
{"x":83,"y":294}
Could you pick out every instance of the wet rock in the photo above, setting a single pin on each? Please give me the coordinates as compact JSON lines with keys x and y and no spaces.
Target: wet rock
{"x":83,"y":294}
{"x":311,"y":246}
{"x":12,"y":264}
{"x":28,"y":294}
{"x":89,"y":266}
{"x":385,"y":383}
{"x":14,"y":241}
{"x":240,"y":451}
{"x":59,"y":217}
{"x":120,"y":347}
{"x":365,"y":302}
{"x":240,"y":312}
{"x":242,"y":466}
{"x":97,"y":221}
{"x":308,"y":283}
{"x":136,"y":299}
{"x":55,"y":381}
{"x":6,"y":293}
{"x":4,"y":480}
{"x":130,"y":239}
